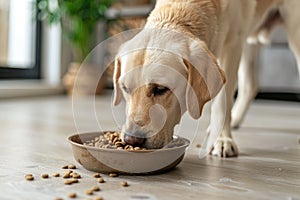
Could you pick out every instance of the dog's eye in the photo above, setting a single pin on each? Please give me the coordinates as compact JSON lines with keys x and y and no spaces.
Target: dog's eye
{"x":159,"y":90}
{"x":125,"y":89}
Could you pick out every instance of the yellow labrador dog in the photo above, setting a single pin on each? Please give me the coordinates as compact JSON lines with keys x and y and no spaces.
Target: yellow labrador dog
{"x":186,"y":53}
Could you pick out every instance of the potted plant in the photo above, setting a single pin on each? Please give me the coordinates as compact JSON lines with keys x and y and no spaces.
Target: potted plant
{"x":78,"y":19}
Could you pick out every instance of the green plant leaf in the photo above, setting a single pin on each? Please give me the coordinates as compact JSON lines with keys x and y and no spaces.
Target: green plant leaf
{"x":78,"y":19}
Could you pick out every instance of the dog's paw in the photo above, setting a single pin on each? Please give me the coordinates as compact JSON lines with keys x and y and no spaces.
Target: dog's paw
{"x":225,"y":147}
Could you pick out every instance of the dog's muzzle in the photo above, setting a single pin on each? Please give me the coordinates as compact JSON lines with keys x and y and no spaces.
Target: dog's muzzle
{"x":134,"y":140}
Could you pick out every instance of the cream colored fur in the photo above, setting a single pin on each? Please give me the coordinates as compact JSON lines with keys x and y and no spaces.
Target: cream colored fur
{"x":287,"y":16}
{"x":219,"y":29}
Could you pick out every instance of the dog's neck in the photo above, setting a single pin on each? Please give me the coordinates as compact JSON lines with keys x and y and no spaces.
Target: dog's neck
{"x":197,"y":19}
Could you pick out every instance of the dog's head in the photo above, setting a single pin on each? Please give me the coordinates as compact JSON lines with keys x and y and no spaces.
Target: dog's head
{"x":158,"y":86}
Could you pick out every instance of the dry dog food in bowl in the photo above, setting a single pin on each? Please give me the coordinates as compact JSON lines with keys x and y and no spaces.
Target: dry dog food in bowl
{"x":106,"y":153}
{"x":110,"y":140}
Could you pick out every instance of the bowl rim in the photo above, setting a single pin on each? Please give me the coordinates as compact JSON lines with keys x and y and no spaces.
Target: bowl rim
{"x":78,"y":134}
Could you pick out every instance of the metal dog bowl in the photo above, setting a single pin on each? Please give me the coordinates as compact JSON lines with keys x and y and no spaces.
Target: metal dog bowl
{"x":124,"y":161}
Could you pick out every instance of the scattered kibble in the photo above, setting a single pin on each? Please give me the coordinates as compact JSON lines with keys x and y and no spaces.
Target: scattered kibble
{"x":55,"y":174}
{"x":72,"y":167}
{"x":76,"y":176}
{"x":68,"y":182}
{"x":75,"y":181}
{"x":95,"y":188}
{"x":124,"y":183}
{"x":65,"y":167}
{"x":45,"y":176}
{"x":101,"y":180}
{"x":113,"y":174}
{"x":67,"y":174}
{"x":29,"y":177}
{"x":89,"y":192}
{"x":96,"y":175}
{"x":72,"y":195}
{"x":72,"y":177}
{"x":198,"y":145}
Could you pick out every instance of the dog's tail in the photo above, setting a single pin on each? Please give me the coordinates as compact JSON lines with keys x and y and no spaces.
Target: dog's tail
{"x":263,"y":33}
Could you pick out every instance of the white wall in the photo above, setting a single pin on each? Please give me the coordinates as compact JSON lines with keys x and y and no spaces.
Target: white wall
{"x":51,"y":54}
{"x":277,"y":67}
{"x":20,"y":36}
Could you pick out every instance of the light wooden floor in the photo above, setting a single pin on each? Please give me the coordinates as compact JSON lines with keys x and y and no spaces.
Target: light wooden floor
{"x":33,"y":134}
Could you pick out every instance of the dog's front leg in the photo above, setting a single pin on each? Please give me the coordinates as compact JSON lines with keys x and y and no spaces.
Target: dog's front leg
{"x":222,"y":104}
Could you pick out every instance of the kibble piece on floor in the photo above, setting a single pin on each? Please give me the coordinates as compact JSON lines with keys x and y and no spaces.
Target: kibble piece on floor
{"x":72,"y":167}
{"x":68,"y":182}
{"x":55,"y":174}
{"x":98,"y":198}
{"x":95,"y":189}
{"x":101,"y":180}
{"x":75,"y":175}
{"x":72,"y":195}
{"x":124,"y":183}
{"x":75,"y":181}
{"x":96,"y":175}
{"x":198,"y":145}
{"x":58,"y":198}
{"x":67,"y":174}
{"x":113,"y":174}
{"x":45,"y":176}
{"x":89,"y":192}
{"x":64,"y":167}
{"x":29,"y":177}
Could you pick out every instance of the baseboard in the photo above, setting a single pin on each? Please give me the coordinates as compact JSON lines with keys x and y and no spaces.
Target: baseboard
{"x":28,"y":88}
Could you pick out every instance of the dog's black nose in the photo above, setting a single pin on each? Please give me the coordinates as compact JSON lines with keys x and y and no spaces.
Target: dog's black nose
{"x":133,"y":140}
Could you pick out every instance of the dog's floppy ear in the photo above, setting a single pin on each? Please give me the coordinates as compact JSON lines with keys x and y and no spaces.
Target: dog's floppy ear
{"x":205,"y":78}
{"x":117,"y":72}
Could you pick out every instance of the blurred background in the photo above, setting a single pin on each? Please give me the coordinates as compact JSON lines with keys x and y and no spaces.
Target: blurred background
{"x":43,"y":43}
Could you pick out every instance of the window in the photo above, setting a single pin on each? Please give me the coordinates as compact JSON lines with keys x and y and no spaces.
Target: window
{"x":20,"y":41}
